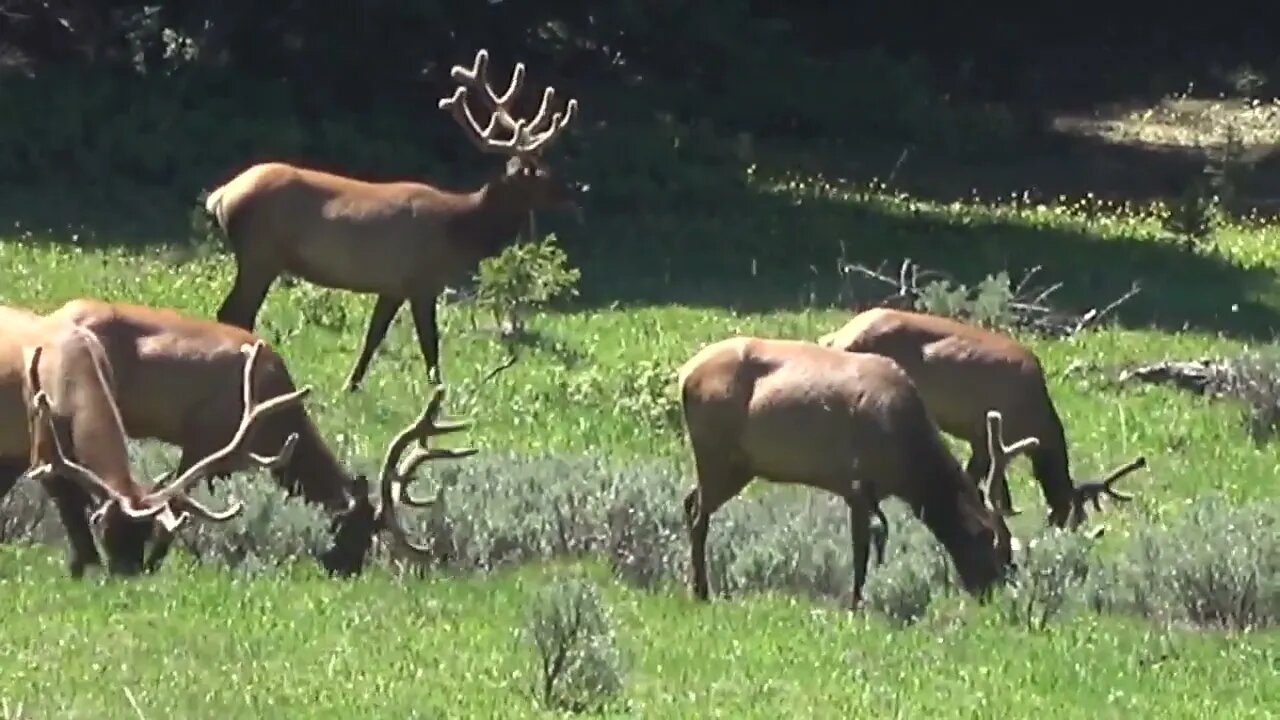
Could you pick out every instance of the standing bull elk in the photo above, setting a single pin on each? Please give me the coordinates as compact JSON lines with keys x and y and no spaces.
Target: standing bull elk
{"x":81,"y":419}
{"x":178,"y":380}
{"x":401,"y":241}
{"x":961,"y":371}
{"x":849,"y":423}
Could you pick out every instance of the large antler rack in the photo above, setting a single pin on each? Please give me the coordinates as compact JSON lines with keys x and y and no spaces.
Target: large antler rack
{"x":528,"y":137}
{"x":398,"y":471}
{"x":158,"y":504}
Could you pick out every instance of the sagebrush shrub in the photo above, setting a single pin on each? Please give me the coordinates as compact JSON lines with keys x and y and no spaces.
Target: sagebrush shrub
{"x":914,"y":573}
{"x":1254,"y":377}
{"x":273,"y":529}
{"x":1051,"y":572}
{"x":1216,"y":565}
{"x":27,"y":515}
{"x":578,"y":666}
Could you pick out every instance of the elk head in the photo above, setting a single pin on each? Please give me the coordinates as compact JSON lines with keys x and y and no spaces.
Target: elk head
{"x":164,"y":501}
{"x":527,"y":181}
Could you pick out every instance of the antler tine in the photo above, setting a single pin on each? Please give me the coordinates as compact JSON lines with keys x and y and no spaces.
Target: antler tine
{"x":999,"y":454}
{"x":477,"y":76}
{"x":1092,"y":491}
{"x":280,"y":459}
{"x":483,"y":139}
{"x":433,"y":417}
{"x":534,"y":127}
{"x":251,"y":415}
{"x":411,"y":465}
{"x":61,"y":463}
{"x":559,"y":122}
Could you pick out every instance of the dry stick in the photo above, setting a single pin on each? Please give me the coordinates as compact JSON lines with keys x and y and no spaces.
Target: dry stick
{"x":133,"y":701}
{"x":1094,"y":316}
{"x":501,"y":367}
{"x":893,"y":172}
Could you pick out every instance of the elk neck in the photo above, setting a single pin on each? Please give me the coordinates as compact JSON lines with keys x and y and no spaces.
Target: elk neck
{"x":314,"y":470}
{"x":491,"y":219}
{"x":1051,"y":469}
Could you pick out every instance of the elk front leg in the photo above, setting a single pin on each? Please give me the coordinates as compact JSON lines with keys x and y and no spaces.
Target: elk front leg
{"x":384,"y":311}
{"x":73,"y":504}
{"x":162,"y":539}
{"x":426,"y":322}
{"x":248,"y":292}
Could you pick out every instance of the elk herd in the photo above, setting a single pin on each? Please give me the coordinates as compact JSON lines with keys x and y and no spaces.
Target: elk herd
{"x":859,"y":412}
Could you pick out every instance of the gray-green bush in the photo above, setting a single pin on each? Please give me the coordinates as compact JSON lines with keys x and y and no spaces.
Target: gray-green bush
{"x":1214,"y":564}
{"x":577,"y":663}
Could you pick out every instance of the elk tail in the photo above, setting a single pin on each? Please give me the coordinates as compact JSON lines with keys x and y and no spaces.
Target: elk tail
{"x":213,"y":207}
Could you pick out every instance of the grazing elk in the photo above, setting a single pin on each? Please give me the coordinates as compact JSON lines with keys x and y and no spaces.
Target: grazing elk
{"x":962,"y":370}
{"x":849,"y":423}
{"x":78,"y":452}
{"x":401,"y":241}
{"x":177,"y":379}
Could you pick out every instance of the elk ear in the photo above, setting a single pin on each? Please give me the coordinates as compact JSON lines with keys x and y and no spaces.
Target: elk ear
{"x":360,"y":486}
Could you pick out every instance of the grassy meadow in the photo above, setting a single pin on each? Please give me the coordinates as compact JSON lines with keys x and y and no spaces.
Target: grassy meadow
{"x":587,"y":419}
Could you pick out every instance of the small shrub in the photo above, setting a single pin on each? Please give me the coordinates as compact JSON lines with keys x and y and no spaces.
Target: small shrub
{"x":647,"y":537}
{"x":579,"y":667}
{"x":522,"y":277}
{"x":988,"y":304}
{"x":1254,"y":377}
{"x":1193,"y":217}
{"x":1053,"y":567}
{"x":914,"y":573}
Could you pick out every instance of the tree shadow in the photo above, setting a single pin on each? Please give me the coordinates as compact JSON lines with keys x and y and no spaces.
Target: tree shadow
{"x":1069,"y":157}
{"x":771,"y":251}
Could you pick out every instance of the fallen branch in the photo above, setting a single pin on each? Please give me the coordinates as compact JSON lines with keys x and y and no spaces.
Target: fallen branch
{"x":512,"y":358}
{"x":1028,"y":306}
{"x":1202,"y":377}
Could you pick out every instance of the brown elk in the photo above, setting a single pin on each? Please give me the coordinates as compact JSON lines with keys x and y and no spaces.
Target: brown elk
{"x":78,"y":451}
{"x":177,"y":379}
{"x":401,"y":241}
{"x":962,"y":370}
{"x":848,"y":423}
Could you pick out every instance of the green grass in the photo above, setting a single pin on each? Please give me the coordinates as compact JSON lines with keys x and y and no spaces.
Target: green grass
{"x":201,"y":643}
{"x":303,"y":646}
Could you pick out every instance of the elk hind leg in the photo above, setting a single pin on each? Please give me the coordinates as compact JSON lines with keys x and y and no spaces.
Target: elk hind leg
{"x":879,"y":533}
{"x":718,"y":482}
{"x":384,"y":311}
